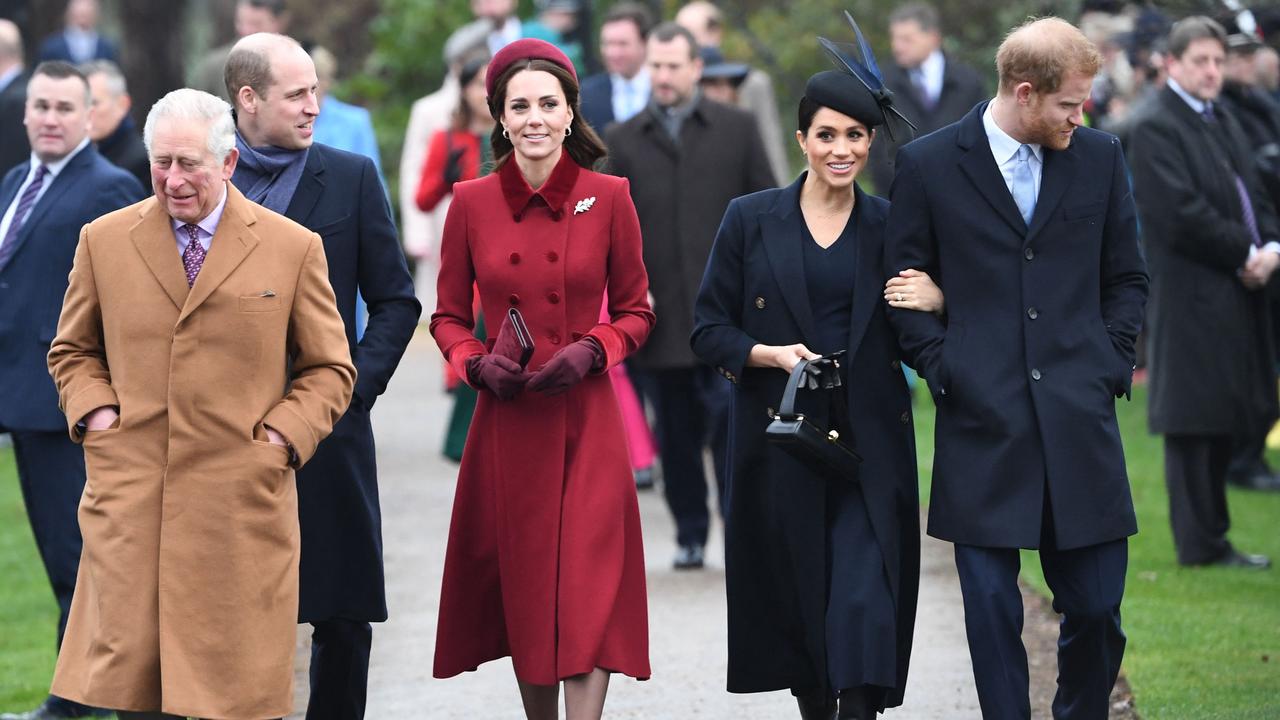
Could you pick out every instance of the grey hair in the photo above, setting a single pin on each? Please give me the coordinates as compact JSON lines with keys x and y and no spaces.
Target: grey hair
{"x":195,"y":105}
{"x":110,"y":71}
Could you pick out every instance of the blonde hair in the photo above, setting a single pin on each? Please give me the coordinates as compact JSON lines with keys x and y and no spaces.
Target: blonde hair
{"x":1042,"y":52}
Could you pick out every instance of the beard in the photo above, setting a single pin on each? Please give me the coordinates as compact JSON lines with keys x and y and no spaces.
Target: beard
{"x":1050,"y":135}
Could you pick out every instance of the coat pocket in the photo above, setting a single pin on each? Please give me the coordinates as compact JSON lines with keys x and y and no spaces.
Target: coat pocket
{"x":260,"y":303}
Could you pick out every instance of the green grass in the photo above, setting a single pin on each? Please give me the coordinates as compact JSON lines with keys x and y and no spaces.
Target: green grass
{"x":28,"y":611}
{"x":1203,"y":643}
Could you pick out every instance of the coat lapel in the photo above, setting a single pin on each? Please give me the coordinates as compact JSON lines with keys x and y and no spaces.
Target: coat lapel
{"x":1058,"y":174}
{"x":310,"y":187}
{"x":153,"y":238}
{"x":233,"y":241}
{"x":979,"y":165}
{"x":52,"y":197}
{"x":870,"y":278}
{"x":782,"y":237}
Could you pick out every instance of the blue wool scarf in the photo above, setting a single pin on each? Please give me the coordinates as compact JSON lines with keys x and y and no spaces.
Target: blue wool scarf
{"x":268,"y":175}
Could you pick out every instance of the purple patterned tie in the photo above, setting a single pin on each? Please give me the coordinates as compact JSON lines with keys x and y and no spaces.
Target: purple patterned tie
{"x":193,"y":256}
{"x":25,"y":204}
{"x":1246,"y":204}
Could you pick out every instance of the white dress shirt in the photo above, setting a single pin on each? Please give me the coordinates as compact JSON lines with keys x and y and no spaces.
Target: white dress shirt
{"x":930,"y":74}
{"x":510,"y":32}
{"x":206,"y":227}
{"x":53,"y":168}
{"x":629,"y":96}
{"x":1005,"y":151}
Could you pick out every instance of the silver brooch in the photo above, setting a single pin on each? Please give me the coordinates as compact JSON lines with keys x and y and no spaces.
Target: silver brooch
{"x":584,"y":205}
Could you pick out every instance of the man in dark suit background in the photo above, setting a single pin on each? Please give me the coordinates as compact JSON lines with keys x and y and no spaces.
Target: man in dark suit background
{"x":113,"y":130}
{"x":1026,"y":220}
{"x":930,"y":87}
{"x":65,"y":185}
{"x":1212,"y":236}
{"x":79,"y":42}
{"x":14,"y":147}
{"x":1259,"y":117}
{"x":686,"y":158}
{"x":622,"y":90}
{"x":338,"y":195}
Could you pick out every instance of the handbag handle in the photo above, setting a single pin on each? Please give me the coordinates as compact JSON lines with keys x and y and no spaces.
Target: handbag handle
{"x":786,"y":410}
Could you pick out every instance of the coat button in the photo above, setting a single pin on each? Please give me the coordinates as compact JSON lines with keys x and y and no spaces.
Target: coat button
{"x":553,"y":297}
{"x":554,"y":338}
{"x":514,"y":299}
{"x":515,"y":258}
{"x":552,"y":256}
{"x":1033,"y":313}
{"x":759,"y":303}
{"x":906,"y":417}
{"x":1035,"y":374}
{"x":1028,"y":254}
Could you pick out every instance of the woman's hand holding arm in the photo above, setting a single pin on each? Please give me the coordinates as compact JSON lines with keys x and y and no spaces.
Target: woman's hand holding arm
{"x":914,"y":290}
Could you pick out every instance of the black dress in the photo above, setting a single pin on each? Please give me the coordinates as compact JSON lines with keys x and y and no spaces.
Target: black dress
{"x":860,"y":613}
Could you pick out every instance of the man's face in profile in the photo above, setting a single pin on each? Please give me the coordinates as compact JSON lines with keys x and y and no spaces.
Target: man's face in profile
{"x":286,"y":113}
{"x":1051,"y":118}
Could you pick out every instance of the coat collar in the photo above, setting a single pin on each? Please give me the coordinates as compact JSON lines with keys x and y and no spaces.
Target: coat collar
{"x":554,"y":192}
{"x":782,"y":226}
{"x":152,"y":236}
{"x":980,"y":166}
{"x":310,"y":186}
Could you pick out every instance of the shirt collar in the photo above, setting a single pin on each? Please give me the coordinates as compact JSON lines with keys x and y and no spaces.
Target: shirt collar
{"x":209,"y":223}
{"x":1003,"y":146}
{"x":1196,"y":103}
{"x":554,"y":192}
{"x":639,"y":81}
{"x":56,"y":166}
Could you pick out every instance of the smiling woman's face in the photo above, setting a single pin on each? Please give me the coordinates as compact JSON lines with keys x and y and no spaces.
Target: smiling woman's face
{"x":535,"y":114}
{"x":836,"y":146}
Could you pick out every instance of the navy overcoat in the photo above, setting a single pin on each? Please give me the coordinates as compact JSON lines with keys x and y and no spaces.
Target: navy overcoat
{"x":341,"y":198}
{"x":1037,"y":342}
{"x":754,"y":292}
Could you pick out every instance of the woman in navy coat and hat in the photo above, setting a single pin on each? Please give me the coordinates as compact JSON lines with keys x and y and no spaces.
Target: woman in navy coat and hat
{"x":544,"y":561}
{"x":822,"y":570}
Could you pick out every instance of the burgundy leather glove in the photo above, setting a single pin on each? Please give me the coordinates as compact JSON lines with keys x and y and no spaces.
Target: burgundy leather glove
{"x":567,"y":367}
{"x":497,"y":374}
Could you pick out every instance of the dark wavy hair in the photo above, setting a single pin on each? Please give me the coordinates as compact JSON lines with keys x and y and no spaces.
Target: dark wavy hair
{"x":583,"y":144}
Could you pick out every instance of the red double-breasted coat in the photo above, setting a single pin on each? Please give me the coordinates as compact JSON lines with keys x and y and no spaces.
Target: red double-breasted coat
{"x":544,"y":562}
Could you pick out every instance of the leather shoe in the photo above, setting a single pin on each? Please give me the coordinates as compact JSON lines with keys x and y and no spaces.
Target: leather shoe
{"x":1236,"y":559}
{"x":1262,"y":479}
{"x":689,"y":557}
{"x":54,"y":708}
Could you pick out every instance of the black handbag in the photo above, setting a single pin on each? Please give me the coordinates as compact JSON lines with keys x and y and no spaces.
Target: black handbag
{"x":814,"y":446}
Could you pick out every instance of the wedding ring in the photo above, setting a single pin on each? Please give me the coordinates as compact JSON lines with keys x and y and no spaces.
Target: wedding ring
{"x":899,"y":297}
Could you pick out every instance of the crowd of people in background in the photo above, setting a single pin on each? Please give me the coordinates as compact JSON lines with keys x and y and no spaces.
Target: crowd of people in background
{"x":1193,"y":102}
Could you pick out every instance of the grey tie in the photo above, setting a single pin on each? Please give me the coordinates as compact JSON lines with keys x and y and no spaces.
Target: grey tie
{"x":1024,"y":184}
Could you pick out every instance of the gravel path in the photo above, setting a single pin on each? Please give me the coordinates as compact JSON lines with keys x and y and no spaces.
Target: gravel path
{"x":687,"y":615}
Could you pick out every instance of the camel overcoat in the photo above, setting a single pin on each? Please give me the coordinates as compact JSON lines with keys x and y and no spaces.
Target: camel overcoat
{"x":187,"y":596}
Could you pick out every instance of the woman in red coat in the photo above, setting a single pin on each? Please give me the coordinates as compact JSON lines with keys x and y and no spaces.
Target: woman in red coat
{"x":544,"y":562}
